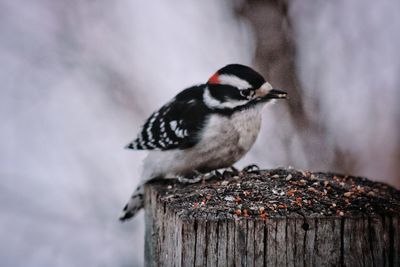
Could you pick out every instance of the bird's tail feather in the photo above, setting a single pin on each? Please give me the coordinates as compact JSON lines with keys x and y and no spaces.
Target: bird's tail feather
{"x":135,"y":203}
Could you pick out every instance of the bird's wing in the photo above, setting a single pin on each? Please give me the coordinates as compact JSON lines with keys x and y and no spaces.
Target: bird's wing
{"x":175,"y":125}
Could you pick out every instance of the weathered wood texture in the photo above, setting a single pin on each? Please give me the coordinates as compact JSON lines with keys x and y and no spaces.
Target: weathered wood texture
{"x":178,"y":237}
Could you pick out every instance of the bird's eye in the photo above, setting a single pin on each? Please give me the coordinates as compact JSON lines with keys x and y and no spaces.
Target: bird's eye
{"x":246,"y":93}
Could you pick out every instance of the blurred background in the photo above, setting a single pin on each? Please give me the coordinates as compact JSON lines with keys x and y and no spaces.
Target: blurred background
{"x":78,"y":78}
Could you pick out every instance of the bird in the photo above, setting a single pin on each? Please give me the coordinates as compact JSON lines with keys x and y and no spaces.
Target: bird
{"x":203,"y":128}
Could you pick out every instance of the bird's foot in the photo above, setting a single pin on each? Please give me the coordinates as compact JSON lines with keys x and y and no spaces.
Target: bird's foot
{"x":232,"y":170}
{"x":252,"y":168}
{"x":198,"y":176}
{"x":229,"y":172}
{"x":212,"y":174}
{"x":189,"y":180}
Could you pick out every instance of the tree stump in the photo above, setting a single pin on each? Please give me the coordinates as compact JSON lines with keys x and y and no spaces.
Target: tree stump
{"x":279,"y":217}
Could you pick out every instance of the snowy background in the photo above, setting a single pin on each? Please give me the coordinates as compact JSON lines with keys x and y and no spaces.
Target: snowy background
{"x":79,"y":77}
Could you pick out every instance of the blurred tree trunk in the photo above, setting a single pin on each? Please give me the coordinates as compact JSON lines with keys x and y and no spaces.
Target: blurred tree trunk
{"x":276,"y":57}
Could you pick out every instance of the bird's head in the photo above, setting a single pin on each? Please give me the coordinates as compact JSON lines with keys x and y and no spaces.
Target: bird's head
{"x":237,"y":85}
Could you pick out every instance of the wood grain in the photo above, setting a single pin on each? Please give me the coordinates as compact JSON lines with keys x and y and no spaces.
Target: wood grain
{"x":175,"y":240}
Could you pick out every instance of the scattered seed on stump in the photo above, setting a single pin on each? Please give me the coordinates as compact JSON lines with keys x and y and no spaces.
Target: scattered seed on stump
{"x":280,"y":192}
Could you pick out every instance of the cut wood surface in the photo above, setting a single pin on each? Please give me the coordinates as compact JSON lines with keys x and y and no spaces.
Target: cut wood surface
{"x":280,"y":217}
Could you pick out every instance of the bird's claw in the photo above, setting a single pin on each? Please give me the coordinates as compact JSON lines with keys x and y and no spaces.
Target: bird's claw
{"x":212,"y":174}
{"x":191,"y":180}
{"x":198,"y":176}
{"x":251,"y":168}
{"x":232,"y":171}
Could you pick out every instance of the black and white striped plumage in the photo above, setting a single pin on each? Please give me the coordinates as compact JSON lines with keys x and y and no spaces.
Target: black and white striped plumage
{"x":175,"y":125}
{"x":203,"y":128}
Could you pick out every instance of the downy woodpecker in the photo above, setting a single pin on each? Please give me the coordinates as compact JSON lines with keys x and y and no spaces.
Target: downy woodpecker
{"x":203,"y":128}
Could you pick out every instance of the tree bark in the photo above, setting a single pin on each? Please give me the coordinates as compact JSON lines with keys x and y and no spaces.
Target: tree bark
{"x":275,"y":57}
{"x":181,"y":230}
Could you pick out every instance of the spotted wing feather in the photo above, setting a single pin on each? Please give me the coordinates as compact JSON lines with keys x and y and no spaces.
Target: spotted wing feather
{"x":175,"y":125}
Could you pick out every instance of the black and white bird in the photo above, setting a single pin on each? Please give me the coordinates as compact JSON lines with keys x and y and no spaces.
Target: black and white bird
{"x":203,"y":128}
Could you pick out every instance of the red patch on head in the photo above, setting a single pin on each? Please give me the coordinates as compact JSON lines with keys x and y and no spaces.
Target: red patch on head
{"x":214,"y":79}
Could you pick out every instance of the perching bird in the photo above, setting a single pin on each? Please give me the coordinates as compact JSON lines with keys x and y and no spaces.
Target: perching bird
{"x":204,"y":128}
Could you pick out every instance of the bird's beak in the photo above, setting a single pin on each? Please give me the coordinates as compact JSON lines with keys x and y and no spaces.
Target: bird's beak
{"x":276,"y":94}
{"x":267,"y":92}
